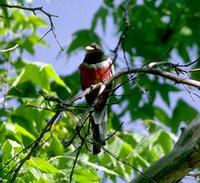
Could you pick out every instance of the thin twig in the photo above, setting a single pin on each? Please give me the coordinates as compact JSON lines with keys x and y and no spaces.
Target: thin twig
{"x":83,"y":141}
{"x":34,"y":10}
{"x":120,"y":126}
{"x":122,"y":36}
{"x":75,"y":161}
{"x":191,"y":93}
{"x":39,"y":107}
{"x":9,"y":49}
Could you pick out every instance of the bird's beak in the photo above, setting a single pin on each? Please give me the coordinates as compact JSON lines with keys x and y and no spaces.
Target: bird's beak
{"x":89,"y":48}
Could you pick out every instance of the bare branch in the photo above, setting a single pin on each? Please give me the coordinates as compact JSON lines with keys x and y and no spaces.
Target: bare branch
{"x":34,"y":10}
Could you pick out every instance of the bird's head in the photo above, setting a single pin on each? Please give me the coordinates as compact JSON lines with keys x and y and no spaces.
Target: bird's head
{"x":94,"y":47}
{"x":94,"y":54}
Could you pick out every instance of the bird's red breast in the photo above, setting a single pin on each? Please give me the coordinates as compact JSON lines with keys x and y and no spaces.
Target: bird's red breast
{"x":94,"y":73}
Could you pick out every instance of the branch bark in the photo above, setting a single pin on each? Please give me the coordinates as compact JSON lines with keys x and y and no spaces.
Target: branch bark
{"x":179,"y":162}
{"x":164,"y":74}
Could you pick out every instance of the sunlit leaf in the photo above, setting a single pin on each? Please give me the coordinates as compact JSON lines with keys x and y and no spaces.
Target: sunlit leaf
{"x":24,"y":132}
{"x":43,"y":165}
{"x":100,"y":168}
{"x":41,"y":75}
{"x":86,"y":175}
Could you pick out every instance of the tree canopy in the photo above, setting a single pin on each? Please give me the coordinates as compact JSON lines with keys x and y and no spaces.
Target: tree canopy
{"x":45,"y":134}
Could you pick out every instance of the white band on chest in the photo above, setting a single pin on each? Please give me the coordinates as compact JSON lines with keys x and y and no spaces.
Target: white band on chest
{"x":105,"y":63}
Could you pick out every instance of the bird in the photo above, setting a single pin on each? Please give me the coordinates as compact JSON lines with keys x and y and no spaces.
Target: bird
{"x":95,"y":68}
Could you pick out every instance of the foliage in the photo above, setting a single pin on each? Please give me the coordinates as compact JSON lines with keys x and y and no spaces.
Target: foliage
{"x":155,"y":28}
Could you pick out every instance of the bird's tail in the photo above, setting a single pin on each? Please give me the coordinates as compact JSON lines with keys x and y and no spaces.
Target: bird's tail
{"x":98,"y":121}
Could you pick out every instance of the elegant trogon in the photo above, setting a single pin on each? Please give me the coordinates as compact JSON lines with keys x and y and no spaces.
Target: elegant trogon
{"x":96,"y":68}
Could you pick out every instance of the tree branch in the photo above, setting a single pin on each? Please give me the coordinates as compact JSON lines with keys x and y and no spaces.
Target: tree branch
{"x":33,"y":10}
{"x":182,"y":159}
{"x":147,"y":70}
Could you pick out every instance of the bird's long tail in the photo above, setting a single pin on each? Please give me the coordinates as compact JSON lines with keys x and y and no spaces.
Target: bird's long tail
{"x":98,"y":121}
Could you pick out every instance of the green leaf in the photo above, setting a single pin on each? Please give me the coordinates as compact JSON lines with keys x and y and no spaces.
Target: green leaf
{"x":11,"y":131}
{"x":156,"y":145}
{"x":88,"y":175}
{"x":7,"y":151}
{"x":133,"y":96}
{"x":43,"y":165}
{"x":28,"y":46}
{"x":71,"y":81}
{"x":35,"y":172}
{"x":129,"y":138}
{"x":40,"y":75}
{"x":99,"y":167}
{"x":24,"y":90}
{"x":81,"y":39}
{"x":100,"y":15}
{"x":186,"y":31}
{"x":30,"y":41}
{"x":109,"y":3}
{"x":37,"y":21}
{"x":51,"y":74}
{"x":17,"y":131}
{"x":19,"y":17}
{"x":9,"y":148}
{"x":165,"y":140}
{"x":29,"y":118}
{"x":183,"y":112}
{"x":164,"y":90}
{"x":56,"y":146}
{"x":24,"y":132}
{"x":116,"y":145}
{"x":113,"y":121}
{"x":161,"y":115}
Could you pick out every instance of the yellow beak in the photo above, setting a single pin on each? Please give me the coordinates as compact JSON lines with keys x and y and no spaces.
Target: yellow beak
{"x":89,"y":48}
